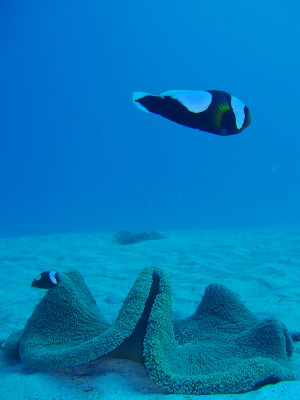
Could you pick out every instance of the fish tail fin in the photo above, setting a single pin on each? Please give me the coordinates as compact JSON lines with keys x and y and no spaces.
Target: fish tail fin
{"x":136,"y":96}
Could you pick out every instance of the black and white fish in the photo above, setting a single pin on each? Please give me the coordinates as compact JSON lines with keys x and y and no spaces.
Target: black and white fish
{"x":46,"y":280}
{"x":212,"y":111}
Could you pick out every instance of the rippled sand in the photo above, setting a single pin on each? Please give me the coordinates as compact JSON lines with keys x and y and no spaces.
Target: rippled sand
{"x":261,"y":264}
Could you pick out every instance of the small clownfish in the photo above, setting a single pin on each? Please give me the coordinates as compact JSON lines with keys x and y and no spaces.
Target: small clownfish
{"x":211,"y":111}
{"x":46,"y":280}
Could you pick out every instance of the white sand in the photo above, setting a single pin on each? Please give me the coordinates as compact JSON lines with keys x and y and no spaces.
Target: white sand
{"x":261,"y":264}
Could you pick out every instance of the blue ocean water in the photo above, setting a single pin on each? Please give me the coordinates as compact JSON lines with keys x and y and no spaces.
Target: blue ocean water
{"x":77,"y":156}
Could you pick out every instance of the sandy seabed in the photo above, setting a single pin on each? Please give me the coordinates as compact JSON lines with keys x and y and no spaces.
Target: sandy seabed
{"x":261,"y":264}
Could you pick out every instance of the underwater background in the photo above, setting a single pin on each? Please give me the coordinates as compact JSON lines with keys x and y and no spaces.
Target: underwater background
{"x":77,"y":156}
{"x":80,"y":164}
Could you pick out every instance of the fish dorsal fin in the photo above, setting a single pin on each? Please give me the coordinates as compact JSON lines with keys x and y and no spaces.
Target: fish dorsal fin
{"x":194,"y":100}
{"x":238,"y":108}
